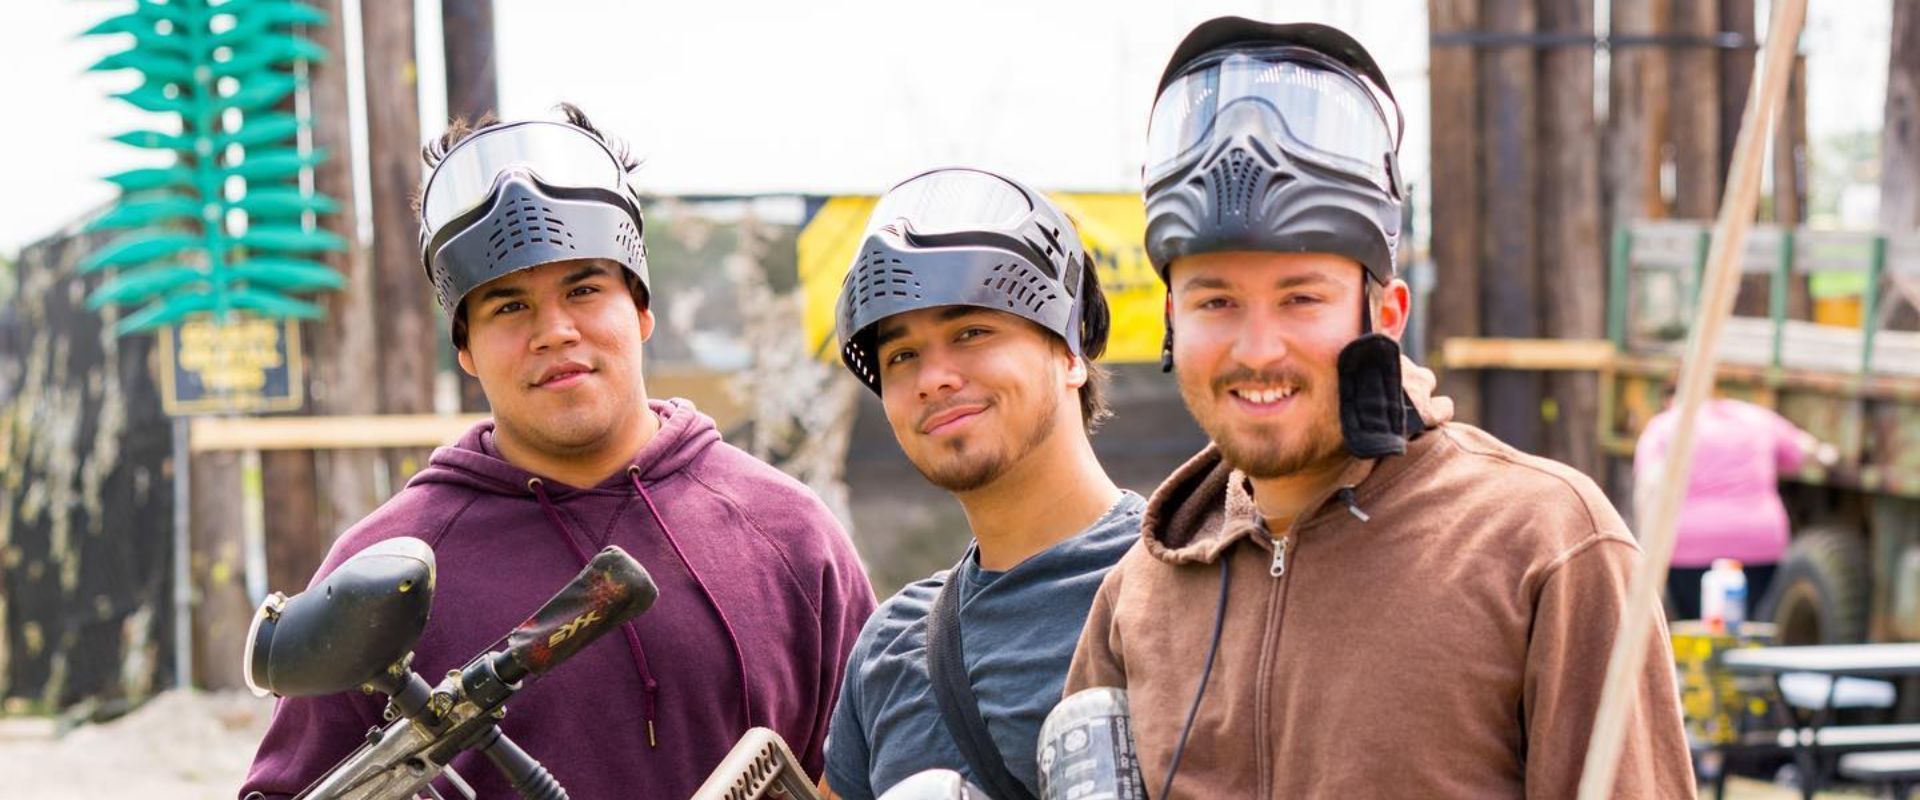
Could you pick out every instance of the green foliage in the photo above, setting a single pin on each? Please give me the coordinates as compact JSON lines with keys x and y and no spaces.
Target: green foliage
{"x":226,"y":229}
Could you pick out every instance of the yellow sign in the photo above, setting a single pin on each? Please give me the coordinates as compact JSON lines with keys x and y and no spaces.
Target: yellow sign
{"x":1112,"y":227}
{"x":247,"y":364}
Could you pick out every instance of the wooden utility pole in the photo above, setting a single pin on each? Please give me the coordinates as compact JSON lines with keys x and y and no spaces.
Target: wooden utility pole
{"x":1790,"y":158}
{"x":1900,"y":138}
{"x":1629,"y":146}
{"x":1455,"y":193}
{"x":409,"y":333}
{"x":473,"y":92}
{"x":1900,"y":157}
{"x":1696,"y":111}
{"x":345,"y":378}
{"x":1736,"y":78}
{"x":1509,"y":278}
{"x":1573,"y":286}
{"x":1736,"y":73}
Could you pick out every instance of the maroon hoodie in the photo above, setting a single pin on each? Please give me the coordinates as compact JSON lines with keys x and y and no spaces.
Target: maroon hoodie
{"x":761,"y":595}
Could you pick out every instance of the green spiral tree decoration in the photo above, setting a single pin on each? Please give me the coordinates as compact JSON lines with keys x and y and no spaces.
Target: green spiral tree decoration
{"x":227,"y":228}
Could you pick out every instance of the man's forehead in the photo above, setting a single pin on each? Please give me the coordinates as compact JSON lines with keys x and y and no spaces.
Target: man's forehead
{"x":1253,"y":269}
{"x":905,"y":320}
{"x":564,"y":271}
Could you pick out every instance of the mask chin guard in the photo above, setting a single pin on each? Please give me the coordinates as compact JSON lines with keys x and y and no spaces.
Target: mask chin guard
{"x":1376,"y":417}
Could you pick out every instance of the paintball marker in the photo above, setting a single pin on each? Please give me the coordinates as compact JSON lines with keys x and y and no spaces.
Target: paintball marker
{"x":357,"y":627}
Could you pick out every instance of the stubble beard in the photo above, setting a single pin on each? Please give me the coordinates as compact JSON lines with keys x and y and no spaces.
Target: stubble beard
{"x":1262,"y":450}
{"x":953,"y":470}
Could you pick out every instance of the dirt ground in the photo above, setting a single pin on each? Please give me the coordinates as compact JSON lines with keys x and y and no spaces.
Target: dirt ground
{"x":179,"y":745}
{"x":196,"y":745}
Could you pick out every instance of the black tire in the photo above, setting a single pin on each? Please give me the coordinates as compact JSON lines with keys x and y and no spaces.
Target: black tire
{"x":1820,"y":592}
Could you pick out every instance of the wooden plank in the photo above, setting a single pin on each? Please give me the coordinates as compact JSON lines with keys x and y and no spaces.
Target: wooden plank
{"x":211,"y":434}
{"x":1527,"y":354}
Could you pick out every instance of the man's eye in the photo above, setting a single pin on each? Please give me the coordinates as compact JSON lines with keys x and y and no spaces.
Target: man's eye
{"x":583,"y":290}
{"x":509,"y":307}
{"x":1213,"y":303}
{"x":1302,"y":299}
{"x":971,"y":333}
{"x":899,"y":357}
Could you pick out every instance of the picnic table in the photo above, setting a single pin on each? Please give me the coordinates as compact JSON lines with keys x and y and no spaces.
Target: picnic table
{"x":1810,"y":734}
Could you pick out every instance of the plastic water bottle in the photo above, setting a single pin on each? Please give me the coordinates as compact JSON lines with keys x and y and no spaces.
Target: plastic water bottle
{"x":1723,"y":596}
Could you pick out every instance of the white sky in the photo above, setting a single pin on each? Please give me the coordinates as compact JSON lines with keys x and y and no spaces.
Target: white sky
{"x":823,"y":96}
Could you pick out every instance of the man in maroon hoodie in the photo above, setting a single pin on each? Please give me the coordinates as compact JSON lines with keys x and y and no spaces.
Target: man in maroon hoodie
{"x":531,"y":237}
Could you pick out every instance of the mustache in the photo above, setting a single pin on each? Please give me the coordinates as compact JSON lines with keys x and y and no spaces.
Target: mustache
{"x":1224,"y":381}
{"x":937,"y":410}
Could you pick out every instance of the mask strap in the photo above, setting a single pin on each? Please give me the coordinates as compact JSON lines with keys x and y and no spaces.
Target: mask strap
{"x":1366,"y":308}
{"x":1166,"y":342}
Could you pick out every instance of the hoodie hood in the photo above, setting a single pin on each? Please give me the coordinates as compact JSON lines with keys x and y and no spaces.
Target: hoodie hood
{"x":475,"y":463}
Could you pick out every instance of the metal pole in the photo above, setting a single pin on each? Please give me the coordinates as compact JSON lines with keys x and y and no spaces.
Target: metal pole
{"x":182,"y":554}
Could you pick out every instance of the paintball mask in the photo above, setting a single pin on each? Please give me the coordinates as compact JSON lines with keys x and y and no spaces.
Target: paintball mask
{"x":517,"y":196}
{"x":1274,"y":138}
{"x":959,"y":236}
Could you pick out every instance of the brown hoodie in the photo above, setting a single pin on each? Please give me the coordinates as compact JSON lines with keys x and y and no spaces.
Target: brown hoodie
{"x":1438,"y":626}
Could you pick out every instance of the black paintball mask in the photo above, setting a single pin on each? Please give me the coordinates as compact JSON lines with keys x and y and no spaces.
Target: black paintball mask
{"x":524,"y":194}
{"x":1275,"y":138}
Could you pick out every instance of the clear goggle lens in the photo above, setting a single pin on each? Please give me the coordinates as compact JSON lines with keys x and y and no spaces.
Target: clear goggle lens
{"x":556,"y":153}
{"x":953,"y":201}
{"x":1322,"y":114}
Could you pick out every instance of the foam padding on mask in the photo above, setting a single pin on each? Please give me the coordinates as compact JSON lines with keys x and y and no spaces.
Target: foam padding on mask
{"x":1373,"y":406}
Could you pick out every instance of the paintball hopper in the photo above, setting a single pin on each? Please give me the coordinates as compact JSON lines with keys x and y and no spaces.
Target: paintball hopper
{"x":347,"y":629}
{"x":935,"y":784}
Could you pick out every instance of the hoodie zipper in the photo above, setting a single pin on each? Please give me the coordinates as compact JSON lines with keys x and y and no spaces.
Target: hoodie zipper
{"x":1276,"y":613}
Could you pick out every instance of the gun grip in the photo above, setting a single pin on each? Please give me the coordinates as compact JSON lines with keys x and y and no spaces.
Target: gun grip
{"x":612,"y":589}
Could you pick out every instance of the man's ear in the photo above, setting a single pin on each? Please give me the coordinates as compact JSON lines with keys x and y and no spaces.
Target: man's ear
{"x":1076,"y":370}
{"x":646,"y":323}
{"x":1391,"y":304}
{"x":466,"y":362}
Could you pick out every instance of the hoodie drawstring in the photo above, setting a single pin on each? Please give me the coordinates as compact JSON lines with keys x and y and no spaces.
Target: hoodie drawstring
{"x":733,"y":637}
{"x":648,"y":684}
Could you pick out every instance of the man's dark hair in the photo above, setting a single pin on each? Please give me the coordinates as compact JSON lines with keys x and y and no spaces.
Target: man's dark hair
{"x":459,"y":130}
{"x":1094,"y":323}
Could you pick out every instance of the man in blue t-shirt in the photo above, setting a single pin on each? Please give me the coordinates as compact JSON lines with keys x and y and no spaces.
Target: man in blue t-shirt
{"x":974,"y":312}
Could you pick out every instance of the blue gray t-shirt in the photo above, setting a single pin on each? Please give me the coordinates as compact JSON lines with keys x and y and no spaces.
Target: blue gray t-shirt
{"x":1020,"y":628}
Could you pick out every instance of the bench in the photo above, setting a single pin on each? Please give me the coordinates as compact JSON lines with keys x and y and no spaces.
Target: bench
{"x":1897,"y":770}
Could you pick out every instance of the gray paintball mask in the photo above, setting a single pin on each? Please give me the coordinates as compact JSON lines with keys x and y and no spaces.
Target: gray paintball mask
{"x":967,"y":237}
{"x":1273,"y":138}
{"x":518,"y":196}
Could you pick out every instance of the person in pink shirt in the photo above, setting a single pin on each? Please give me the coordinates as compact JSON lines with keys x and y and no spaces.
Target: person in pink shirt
{"x":1732,"y":507}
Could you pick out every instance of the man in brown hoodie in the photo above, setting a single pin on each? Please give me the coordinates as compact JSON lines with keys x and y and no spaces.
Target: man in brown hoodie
{"x":1335,"y":599}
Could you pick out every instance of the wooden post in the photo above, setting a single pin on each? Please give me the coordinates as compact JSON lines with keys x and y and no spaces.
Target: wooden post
{"x":1736,"y":78}
{"x":1628,"y":148}
{"x":345,"y":375}
{"x":1573,"y":288}
{"x":1696,"y":112}
{"x":1510,"y":277}
{"x":1900,"y":138}
{"x":473,"y":92}
{"x":1455,"y":193}
{"x":1900,"y":157}
{"x":222,"y":609}
{"x":1736,"y":73}
{"x":408,"y":330}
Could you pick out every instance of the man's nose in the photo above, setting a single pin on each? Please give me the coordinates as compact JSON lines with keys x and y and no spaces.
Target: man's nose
{"x":554,"y":327}
{"x":938,"y":374}
{"x":1260,"y":341}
